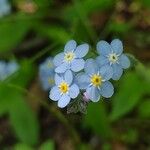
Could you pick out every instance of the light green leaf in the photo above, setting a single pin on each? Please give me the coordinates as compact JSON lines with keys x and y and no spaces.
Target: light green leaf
{"x":97,"y":120}
{"x":24,"y":121}
{"x":127,"y":96}
{"x":48,"y":145}
{"x":22,"y":146}
{"x":144,"y":109}
{"x":12,"y":33}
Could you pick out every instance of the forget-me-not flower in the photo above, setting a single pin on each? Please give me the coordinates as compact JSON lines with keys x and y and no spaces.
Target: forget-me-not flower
{"x":111,"y":54}
{"x":4,"y":8}
{"x":64,"y":90}
{"x":47,"y":73}
{"x":12,"y":67}
{"x":7,"y":69}
{"x":95,"y":80}
{"x":71,"y":58}
{"x":3,"y":74}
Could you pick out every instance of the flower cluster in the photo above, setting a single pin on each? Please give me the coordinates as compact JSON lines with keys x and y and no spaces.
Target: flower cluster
{"x":4,"y":8}
{"x":7,"y":69}
{"x":73,"y":76}
{"x":47,"y":73}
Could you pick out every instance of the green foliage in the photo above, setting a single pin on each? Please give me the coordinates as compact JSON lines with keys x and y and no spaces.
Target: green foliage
{"x":12,"y":33}
{"x":97,"y":120}
{"x":128,"y":95}
{"x":48,"y":145}
{"x":24,"y":122}
{"x":22,"y":146}
{"x":144,"y":109}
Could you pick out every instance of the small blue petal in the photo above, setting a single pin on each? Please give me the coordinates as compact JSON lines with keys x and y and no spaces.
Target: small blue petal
{"x":58,"y":59}
{"x":62,"y":68}
{"x":93,"y":93}
{"x":83,"y":80}
{"x":102,"y":60}
{"x":103,"y":48}
{"x":64,"y":101}
{"x":58,"y":79}
{"x":91,"y":66}
{"x":77,"y":65}
{"x":107,"y":89}
{"x":106,"y":72}
{"x":117,"y":46}
{"x":70,"y":46}
{"x":68,"y":77}
{"x":117,"y":71}
{"x":124,"y":61}
{"x":81,"y":50}
{"x":74,"y":91}
{"x":54,"y":94}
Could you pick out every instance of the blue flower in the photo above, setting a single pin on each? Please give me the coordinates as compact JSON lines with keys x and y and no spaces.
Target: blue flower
{"x":3,"y":75}
{"x":64,"y":90}
{"x":47,"y":73}
{"x":111,"y":54}
{"x":7,"y":69}
{"x":4,"y":8}
{"x":12,"y":67}
{"x":95,"y":80}
{"x":71,"y":58}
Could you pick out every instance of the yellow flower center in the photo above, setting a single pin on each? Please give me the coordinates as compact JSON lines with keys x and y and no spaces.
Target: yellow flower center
{"x":63,"y":87}
{"x":96,"y":80}
{"x":51,"y":81}
{"x":113,"y":58}
{"x":69,"y":56}
{"x":49,"y":65}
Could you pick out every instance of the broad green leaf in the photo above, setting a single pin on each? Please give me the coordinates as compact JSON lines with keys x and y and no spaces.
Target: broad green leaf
{"x":97,"y":119}
{"x":144,"y":109}
{"x":127,"y":96}
{"x":48,"y":145}
{"x":22,"y":146}
{"x":24,"y":121}
{"x":12,"y":33}
{"x":53,"y":32}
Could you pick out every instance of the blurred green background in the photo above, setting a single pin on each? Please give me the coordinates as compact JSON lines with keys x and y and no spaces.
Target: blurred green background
{"x":36,"y":29}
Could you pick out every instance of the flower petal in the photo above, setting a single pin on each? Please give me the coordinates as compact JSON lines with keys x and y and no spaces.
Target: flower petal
{"x":58,"y":79}
{"x":93,"y":93}
{"x":81,"y":50}
{"x":74,"y":91}
{"x":58,"y":59}
{"x":103,"y":48}
{"x":77,"y":65}
{"x":83,"y":81}
{"x":68,"y":77}
{"x":91,"y":66}
{"x":106,"y":72}
{"x":117,"y":72}
{"x":64,"y":101}
{"x":62,"y":68}
{"x":70,"y":46}
{"x":54,"y":94}
{"x":107,"y":89}
{"x":124,"y":61}
{"x":117,"y":46}
{"x":102,"y":60}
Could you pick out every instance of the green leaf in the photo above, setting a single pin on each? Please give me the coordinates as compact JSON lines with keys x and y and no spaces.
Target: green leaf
{"x":48,"y":145}
{"x":97,"y":120}
{"x":12,"y":33}
{"x":22,"y":146}
{"x":127,"y":96}
{"x":144,"y":109}
{"x":53,"y":32}
{"x":24,"y":121}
